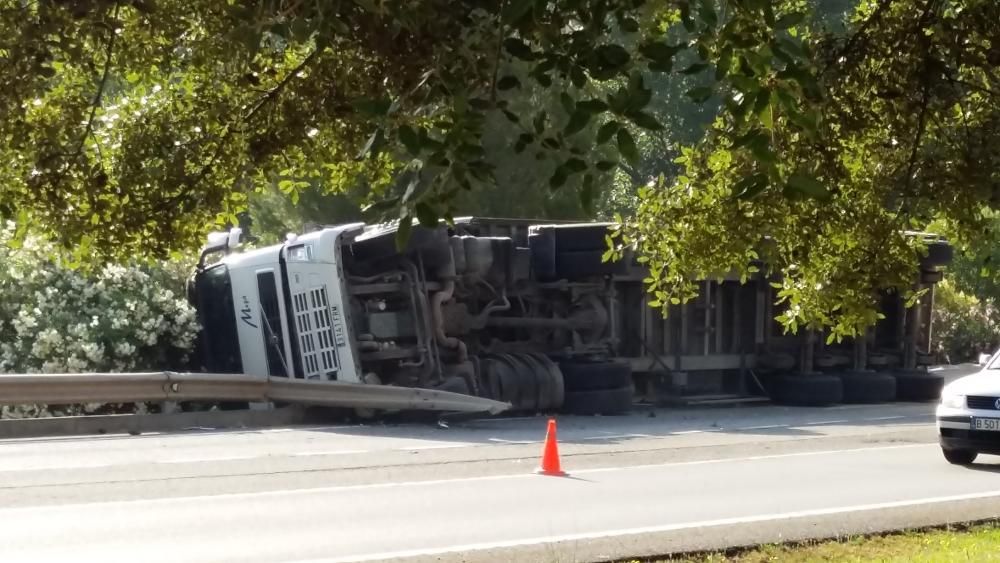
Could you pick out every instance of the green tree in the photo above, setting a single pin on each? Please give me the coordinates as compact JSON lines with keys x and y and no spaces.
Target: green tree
{"x":896,"y":129}
{"x":143,"y":120}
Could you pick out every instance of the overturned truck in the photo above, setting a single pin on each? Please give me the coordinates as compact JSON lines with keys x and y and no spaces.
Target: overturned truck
{"x":520,"y":312}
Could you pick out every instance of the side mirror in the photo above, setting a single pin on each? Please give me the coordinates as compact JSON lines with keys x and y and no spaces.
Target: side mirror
{"x":234,"y":237}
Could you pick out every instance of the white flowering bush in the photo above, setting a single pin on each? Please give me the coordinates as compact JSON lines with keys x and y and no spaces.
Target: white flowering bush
{"x":55,"y":319}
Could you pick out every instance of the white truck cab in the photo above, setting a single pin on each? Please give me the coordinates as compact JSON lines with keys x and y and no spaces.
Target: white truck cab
{"x":279,"y":310}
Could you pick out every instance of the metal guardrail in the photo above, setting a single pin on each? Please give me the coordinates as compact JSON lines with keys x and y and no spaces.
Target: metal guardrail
{"x":71,"y":388}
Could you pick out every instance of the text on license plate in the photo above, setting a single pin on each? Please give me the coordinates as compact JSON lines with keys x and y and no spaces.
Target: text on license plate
{"x":986,"y":424}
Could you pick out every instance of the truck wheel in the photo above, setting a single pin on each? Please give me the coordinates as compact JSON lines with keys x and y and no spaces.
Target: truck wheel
{"x":868,"y":387}
{"x":918,"y":386}
{"x":581,"y":237}
{"x":605,"y":401}
{"x":806,"y":390}
{"x":960,"y":457}
{"x":531,"y":388}
{"x":556,"y":379}
{"x":597,"y":376}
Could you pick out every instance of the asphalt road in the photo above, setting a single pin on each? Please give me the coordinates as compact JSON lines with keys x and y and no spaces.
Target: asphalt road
{"x":653,"y":482}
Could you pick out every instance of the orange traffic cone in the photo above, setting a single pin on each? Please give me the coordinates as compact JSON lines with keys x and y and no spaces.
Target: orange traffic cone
{"x":550,"y":453}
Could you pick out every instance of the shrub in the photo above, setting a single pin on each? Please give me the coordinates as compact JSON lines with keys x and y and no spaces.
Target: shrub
{"x":963,"y":325}
{"x":56,"y":319}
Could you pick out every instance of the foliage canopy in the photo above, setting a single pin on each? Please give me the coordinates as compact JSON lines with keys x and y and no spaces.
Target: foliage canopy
{"x":129,"y":125}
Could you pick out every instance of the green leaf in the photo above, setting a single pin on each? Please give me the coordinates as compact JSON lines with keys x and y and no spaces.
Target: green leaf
{"x":539,"y":122}
{"x":809,"y":186}
{"x":695,"y":68}
{"x":377,"y":107}
{"x":645,"y":120}
{"x":627,"y":146}
{"x":766,"y":115}
{"x":613,"y":55}
{"x":403,"y":232}
{"x":517,"y":10}
{"x":605,"y":165}
{"x":789,"y":20}
{"x":426,"y":215}
{"x":410,"y":139}
{"x":374,"y":145}
{"x":518,"y":48}
{"x":511,"y":116}
{"x":607,"y":131}
{"x":659,"y":52}
{"x":578,"y":76}
{"x":587,"y":193}
{"x":629,"y":25}
{"x":750,"y":186}
{"x":707,"y":13}
{"x":567,"y":103}
{"x":577,"y":122}
{"x":592,"y":106}
{"x":559,"y":177}
{"x":380,"y":207}
{"x":700,"y":94}
{"x":746,"y":138}
{"x":508,"y":83}
{"x":575,"y":166}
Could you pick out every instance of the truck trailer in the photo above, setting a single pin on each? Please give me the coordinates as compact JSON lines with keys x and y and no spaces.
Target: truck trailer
{"x":524,"y":312}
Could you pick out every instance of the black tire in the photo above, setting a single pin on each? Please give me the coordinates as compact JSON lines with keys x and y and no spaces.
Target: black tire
{"x":556,"y":378}
{"x":595,"y":376}
{"x":541,"y":387}
{"x":868,"y":387}
{"x":543,"y":254}
{"x":587,"y":263}
{"x":960,"y":457}
{"x":918,"y":386}
{"x":607,"y":401}
{"x":489,"y":381}
{"x":806,"y":390}
{"x":577,"y":238}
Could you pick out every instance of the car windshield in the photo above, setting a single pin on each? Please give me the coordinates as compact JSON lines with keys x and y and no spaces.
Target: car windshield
{"x":993,"y":363}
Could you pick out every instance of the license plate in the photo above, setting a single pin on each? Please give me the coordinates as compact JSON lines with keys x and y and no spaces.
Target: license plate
{"x":989,"y":424}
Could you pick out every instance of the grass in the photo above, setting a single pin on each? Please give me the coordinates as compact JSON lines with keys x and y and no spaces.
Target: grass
{"x":979,"y":542}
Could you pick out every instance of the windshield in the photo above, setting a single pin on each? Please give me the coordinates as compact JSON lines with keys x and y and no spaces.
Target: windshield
{"x":214,"y":301}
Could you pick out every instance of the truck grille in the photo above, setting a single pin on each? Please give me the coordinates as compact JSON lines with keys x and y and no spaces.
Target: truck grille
{"x":982,"y":402}
{"x":315,"y":328}
{"x":274,"y":338}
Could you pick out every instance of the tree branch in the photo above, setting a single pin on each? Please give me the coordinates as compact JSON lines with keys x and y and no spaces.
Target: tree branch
{"x":273,"y":92}
{"x":109,"y":51}
{"x":861,"y":35}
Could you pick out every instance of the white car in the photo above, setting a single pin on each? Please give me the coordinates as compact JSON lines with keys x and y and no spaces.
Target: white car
{"x":968,"y":417}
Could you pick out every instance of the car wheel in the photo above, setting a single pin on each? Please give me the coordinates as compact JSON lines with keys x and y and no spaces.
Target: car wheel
{"x":959,"y":457}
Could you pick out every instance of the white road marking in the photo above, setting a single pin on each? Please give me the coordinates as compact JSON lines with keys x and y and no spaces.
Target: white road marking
{"x":617,"y":436}
{"x":741,"y":459}
{"x":207,"y":459}
{"x":819,"y":422}
{"x":755,"y":519}
{"x":389,"y":485}
{"x":763,"y":427}
{"x":680,"y":432}
{"x":436,"y":447}
{"x":55,"y":467}
{"x":502,"y":441}
{"x":330,"y":452}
